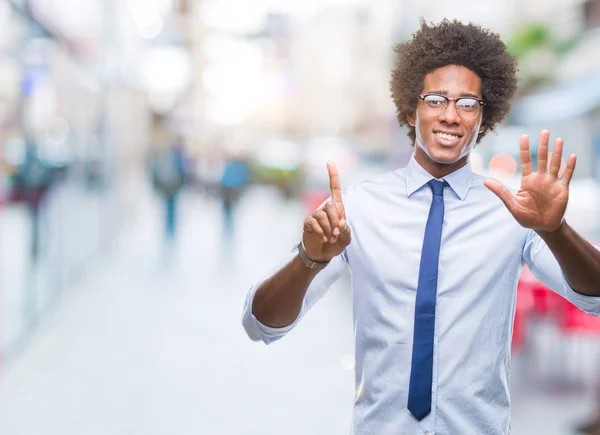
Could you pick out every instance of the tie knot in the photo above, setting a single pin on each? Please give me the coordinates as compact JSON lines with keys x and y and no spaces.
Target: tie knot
{"x":437,"y":187}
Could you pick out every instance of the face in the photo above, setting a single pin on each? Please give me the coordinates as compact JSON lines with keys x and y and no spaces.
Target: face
{"x":443,"y":142}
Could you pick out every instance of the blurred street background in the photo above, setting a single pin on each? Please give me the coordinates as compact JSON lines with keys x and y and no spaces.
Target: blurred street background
{"x":158,"y":157}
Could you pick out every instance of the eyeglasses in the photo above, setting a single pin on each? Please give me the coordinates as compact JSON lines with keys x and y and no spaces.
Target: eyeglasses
{"x":466,"y":107}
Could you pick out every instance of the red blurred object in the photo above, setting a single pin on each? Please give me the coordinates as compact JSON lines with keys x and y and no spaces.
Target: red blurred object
{"x":313,"y":199}
{"x":525,"y":303}
{"x":545,"y":301}
{"x":534,"y":299}
{"x":573,"y":320}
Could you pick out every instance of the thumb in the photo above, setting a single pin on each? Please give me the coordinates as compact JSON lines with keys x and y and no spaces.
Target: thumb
{"x":500,"y":191}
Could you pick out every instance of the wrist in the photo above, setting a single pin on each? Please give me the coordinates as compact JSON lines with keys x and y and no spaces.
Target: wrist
{"x":555,"y":233}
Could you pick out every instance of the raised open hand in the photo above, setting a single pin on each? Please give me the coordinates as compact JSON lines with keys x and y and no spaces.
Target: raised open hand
{"x":326,"y":232}
{"x":541,"y":202}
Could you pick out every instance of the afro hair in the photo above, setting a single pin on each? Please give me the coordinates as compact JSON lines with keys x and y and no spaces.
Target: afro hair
{"x":454,"y":43}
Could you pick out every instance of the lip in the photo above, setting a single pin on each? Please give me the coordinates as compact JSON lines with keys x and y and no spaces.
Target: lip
{"x":447,"y":142}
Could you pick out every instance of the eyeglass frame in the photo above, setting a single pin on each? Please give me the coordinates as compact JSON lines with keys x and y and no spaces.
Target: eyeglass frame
{"x":448,"y":100}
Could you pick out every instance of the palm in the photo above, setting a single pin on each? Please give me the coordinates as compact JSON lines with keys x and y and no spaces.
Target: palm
{"x":541,"y":202}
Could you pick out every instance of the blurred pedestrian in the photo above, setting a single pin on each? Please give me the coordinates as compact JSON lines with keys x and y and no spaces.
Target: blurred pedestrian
{"x":168,"y":177}
{"x":435,"y":249}
{"x":235,"y":178}
{"x":33,"y":179}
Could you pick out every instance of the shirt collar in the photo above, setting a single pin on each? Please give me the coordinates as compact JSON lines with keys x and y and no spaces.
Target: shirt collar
{"x":417,"y":177}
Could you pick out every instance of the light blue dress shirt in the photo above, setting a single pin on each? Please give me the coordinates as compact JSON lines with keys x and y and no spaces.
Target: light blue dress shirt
{"x":483,"y":250}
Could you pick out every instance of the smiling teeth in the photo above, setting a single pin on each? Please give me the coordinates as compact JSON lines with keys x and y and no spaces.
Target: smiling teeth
{"x":447,"y":136}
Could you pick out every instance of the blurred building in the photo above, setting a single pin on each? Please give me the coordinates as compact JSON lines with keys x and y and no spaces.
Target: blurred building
{"x":74,"y":88}
{"x":341,"y":60}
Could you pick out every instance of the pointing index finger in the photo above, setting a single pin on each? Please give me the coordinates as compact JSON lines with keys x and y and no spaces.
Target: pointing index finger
{"x":334,"y":182}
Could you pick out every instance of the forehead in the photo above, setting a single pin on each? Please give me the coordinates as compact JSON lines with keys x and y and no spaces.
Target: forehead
{"x":453,"y":80}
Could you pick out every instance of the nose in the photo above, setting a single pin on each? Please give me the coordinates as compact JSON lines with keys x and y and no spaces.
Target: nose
{"x":450,"y":115}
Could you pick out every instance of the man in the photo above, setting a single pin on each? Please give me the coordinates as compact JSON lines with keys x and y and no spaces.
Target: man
{"x":436,"y":250}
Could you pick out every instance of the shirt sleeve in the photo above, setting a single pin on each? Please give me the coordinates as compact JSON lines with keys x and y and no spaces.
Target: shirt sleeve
{"x":544,"y":266}
{"x":317,"y":289}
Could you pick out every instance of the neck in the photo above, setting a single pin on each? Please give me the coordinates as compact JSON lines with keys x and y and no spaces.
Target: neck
{"x":438,"y":170}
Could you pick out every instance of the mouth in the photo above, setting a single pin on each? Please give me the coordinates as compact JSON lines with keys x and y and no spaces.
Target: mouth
{"x":447,"y":139}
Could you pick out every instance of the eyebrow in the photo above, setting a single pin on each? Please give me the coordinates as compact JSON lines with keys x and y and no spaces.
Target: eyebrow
{"x":445,"y":92}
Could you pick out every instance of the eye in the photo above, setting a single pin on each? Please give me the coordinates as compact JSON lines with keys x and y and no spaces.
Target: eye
{"x":467,"y":104}
{"x":434,"y":101}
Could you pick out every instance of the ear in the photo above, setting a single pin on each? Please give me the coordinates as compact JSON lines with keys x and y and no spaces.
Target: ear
{"x":411,"y":118}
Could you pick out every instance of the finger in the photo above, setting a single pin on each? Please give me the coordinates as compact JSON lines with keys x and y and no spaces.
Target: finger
{"x":556,"y":157}
{"x":334,"y":220}
{"x":308,"y":225}
{"x":346,"y":236}
{"x":312,"y":226}
{"x":323,"y":220}
{"x":505,"y":195}
{"x":334,"y":182}
{"x":543,"y":152}
{"x":568,"y":174}
{"x":525,"y":155}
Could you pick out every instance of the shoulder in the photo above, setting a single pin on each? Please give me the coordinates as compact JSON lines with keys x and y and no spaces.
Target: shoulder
{"x":488,"y":206}
{"x":378,"y":182}
{"x":478,"y":190}
{"x":374,"y":191}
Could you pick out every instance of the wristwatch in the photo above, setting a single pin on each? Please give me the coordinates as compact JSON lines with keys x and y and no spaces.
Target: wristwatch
{"x":314,"y":265}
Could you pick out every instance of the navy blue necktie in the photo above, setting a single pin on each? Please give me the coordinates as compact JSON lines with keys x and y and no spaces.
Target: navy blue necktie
{"x":421,"y":371}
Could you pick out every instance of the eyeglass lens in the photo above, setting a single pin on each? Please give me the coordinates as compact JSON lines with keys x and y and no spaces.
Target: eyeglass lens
{"x":467,"y":108}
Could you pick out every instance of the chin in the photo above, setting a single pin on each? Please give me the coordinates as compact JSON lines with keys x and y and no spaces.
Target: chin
{"x":444,"y":156}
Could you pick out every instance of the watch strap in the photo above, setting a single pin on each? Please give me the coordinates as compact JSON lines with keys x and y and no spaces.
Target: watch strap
{"x":314,"y":265}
